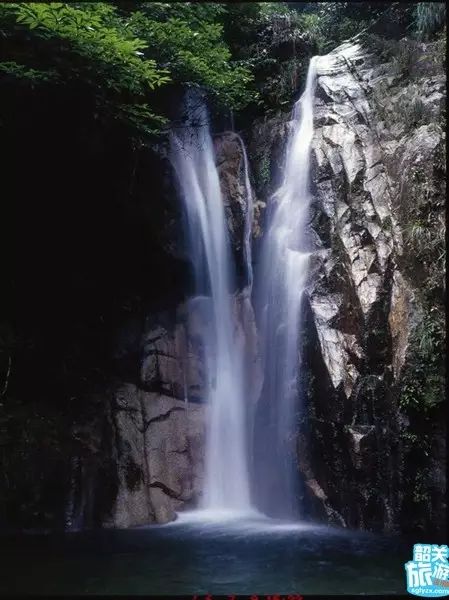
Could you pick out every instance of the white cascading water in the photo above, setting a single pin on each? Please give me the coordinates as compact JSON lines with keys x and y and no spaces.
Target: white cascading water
{"x":192,"y":155}
{"x":248,"y":216}
{"x":281,"y":280}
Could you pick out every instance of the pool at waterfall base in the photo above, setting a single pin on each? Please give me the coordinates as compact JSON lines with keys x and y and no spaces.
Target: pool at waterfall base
{"x":203,"y":553}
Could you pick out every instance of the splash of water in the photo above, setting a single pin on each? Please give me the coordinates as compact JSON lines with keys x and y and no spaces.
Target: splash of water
{"x":192,"y":155}
{"x":281,"y":281}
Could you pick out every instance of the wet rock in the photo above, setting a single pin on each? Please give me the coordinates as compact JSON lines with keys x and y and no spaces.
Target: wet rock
{"x":160,"y":456}
{"x":132,"y":505}
{"x":230,"y":167}
{"x":172,"y":361}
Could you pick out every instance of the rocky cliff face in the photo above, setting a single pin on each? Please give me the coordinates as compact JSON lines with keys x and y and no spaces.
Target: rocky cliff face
{"x":376,"y":126}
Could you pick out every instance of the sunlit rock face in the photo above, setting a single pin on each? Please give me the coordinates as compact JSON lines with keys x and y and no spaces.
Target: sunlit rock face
{"x":353,"y":197}
{"x":363,"y":307}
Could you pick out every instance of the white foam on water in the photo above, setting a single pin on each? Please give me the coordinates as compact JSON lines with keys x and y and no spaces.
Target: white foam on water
{"x":224,"y":523}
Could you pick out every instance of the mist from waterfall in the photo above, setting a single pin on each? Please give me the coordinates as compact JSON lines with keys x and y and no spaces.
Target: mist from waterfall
{"x":280,"y":283}
{"x":192,"y":155}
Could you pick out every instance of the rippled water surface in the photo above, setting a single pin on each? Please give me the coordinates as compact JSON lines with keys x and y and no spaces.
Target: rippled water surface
{"x":206,"y":553}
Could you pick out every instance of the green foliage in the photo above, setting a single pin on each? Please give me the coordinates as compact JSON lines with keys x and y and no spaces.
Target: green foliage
{"x":421,"y":487}
{"x":402,"y":54}
{"x":440,"y":47}
{"x":87,"y":44}
{"x":18,"y":71}
{"x":425,"y":240}
{"x":125,"y":53}
{"x":276,"y":40}
{"x":338,"y":21}
{"x":423,"y":384}
{"x":273,"y":45}
{"x":191,"y":46}
{"x":140,"y":117}
{"x":421,"y":389}
{"x":268,"y":9}
{"x":124,"y":56}
{"x":313,"y":25}
{"x":407,"y":56}
{"x":413,"y":110}
{"x":428,"y":18}
{"x":94,"y":31}
{"x":421,"y":202}
{"x":425,"y":228}
{"x":264,"y":170}
{"x":404,"y":57}
{"x":328,"y":24}
{"x":194,"y":13}
{"x":409,"y":437}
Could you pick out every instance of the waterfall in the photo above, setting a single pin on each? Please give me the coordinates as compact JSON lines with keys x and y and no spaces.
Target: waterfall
{"x":192,"y":155}
{"x":281,"y":280}
{"x":248,"y":216}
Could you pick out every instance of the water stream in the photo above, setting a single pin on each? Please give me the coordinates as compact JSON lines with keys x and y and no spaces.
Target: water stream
{"x":248,"y":217}
{"x":280,"y":284}
{"x":192,"y":155}
{"x":279,"y":290}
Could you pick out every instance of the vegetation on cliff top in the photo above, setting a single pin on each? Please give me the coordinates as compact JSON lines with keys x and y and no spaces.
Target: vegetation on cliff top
{"x":126,"y":53}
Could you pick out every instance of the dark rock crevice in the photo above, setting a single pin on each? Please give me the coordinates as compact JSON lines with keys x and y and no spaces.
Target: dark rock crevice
{"x":162,"y":417}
